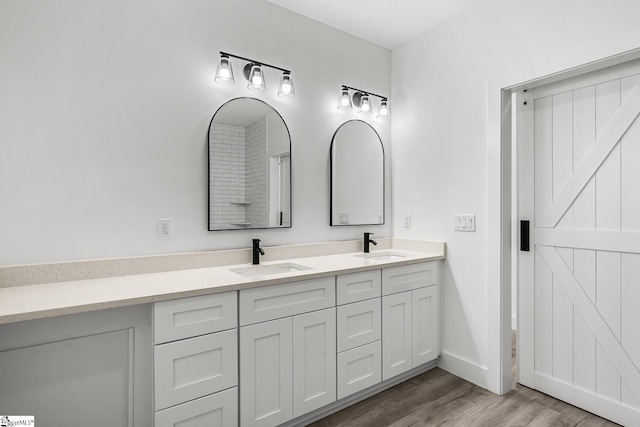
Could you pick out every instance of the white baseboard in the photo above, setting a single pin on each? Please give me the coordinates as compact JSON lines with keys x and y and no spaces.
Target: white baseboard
{"x":464,"y":369}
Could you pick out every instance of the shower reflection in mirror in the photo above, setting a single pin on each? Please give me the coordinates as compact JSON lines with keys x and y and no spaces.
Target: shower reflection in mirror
{"x":249,"y":167}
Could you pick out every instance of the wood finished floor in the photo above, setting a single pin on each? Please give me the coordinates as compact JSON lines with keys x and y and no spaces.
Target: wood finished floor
{"x":438,"y":398}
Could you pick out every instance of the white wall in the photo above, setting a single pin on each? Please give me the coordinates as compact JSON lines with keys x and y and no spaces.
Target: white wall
{"x":446,"y":141}
{"x":104,"y":111}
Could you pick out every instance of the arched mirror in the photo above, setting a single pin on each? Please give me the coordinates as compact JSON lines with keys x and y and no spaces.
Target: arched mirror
{"x":249,"y":167}
{"x":357,"y":175}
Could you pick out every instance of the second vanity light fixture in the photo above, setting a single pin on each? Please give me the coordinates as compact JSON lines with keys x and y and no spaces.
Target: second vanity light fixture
{"x":252,"y":71}
{"x":362,"y":100}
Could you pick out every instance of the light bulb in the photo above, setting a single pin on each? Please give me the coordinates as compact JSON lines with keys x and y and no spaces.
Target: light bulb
{"x":256,"y":79}
{"x":365,"y":105}
{"x":345,"y":100}
{"x":286,"y":86}
{"x":224,"y":74}
{"x":384,"y":109}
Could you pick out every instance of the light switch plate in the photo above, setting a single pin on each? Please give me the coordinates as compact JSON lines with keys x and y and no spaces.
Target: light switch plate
{"x":465,"y":222}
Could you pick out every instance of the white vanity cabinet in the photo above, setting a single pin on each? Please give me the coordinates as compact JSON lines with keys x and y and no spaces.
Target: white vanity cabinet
{"x":410,"y":317}
{"x":287,"y":351}
{"x":196,"y":361}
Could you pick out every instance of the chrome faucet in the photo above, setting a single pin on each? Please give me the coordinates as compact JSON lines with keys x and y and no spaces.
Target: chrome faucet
{"x":257,"y":251}
{"x":367,"y":240}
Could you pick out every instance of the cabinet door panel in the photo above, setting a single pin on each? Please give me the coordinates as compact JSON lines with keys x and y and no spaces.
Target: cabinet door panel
{"x":425,"y":325}
{"x":216,"y":410}
{"x":265,"y":373}
{"x":358,"y":369}
{"x":287,"y":299}
{"x":409,"y":277}
{"x":397,"y":336}
{"x":314,"y":360}
{"x":190,"y":317}
{"x":358,"y":324}
{"x":188,"y":369}
{"x":358,"y":286}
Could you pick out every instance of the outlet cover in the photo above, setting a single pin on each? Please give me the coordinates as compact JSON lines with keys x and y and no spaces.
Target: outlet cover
{"x":344,"y":217}
{"x":164,"y":228}
{"x":407,"y":220}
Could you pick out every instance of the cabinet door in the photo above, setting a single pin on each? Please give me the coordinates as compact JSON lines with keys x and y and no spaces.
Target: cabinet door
{"x":265,"y":373}
{"x":425,"y":324}
{"x":358,"y":324}
{"x":314,"y":360}
{"x":216,"y":410}
{"x":192,"y":368}
{"x":397,"y":336}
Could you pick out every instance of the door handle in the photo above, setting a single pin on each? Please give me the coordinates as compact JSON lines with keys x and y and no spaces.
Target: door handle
{"x":524,"y":235}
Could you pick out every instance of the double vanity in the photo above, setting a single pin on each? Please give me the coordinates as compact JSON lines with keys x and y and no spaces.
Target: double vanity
{"x":280,"y":343}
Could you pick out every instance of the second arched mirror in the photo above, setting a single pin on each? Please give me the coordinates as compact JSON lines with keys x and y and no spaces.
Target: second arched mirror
{"x":357,"y":175}
{"x":249,"y":167}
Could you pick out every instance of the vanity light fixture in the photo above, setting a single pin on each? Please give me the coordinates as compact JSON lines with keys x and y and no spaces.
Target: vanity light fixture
{"x":253,"y":72}
{"x":362,"y":100}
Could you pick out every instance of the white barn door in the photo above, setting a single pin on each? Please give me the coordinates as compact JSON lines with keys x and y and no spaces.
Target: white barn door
{"x":579,"y":285}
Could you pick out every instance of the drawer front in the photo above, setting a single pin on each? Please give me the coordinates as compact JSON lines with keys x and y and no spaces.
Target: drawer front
{"x":358,"y":286}
{"x":408,"y":277}
{"x":189,"y":317}
{"x":216,"y":410}
{"x":358,"y":324}
{"x":192,"y":368}
{"x":358,"y":369}
{"x":288,"y":299}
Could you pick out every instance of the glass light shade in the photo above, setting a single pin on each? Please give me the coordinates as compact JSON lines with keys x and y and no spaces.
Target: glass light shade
{"x":225,"y":72}
{"x":286,"y":86}
{"x":345,"y":101}
{"x":256,"y":78}
{"x":384,"y":109}
{"x":365,"y":105}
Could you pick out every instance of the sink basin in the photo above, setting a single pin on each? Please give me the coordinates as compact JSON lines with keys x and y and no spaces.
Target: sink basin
{"x":268,"y":270}
{"x":382,"y":256}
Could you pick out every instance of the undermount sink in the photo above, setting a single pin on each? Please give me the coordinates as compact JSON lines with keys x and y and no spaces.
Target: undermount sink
{"x":382,"y":256}
{"x":268,"y":270}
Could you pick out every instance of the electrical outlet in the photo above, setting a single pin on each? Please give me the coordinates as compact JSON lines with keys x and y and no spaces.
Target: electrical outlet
{"x":164,"y":228}
{"x":407,"y":220}
{"x":464,"y":223}
{"x":344,"y":217}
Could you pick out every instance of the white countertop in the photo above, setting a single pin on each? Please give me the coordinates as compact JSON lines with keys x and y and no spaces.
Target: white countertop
{"x":53,"y":299}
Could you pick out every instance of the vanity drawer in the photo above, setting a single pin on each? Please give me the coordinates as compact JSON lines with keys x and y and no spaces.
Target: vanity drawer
{"x":195,"y":367}
{"x":408,"y":277}
{"x":358,"y":286}
{"x":358,"y":369}
{"x":287,"y":299}
{"x":189,"y":317}
{"x":216,"y":410}
{"x":358,"y":324}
